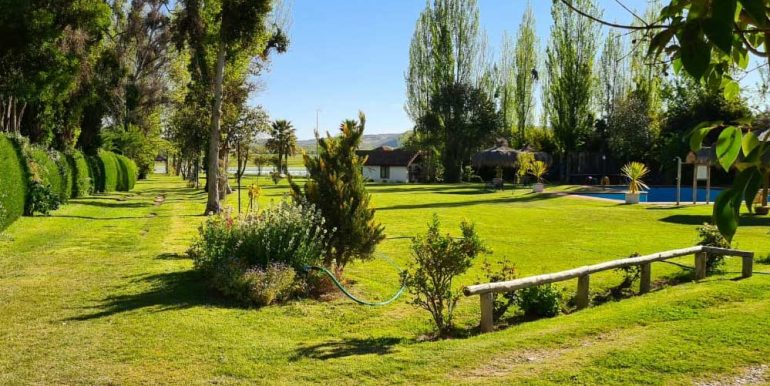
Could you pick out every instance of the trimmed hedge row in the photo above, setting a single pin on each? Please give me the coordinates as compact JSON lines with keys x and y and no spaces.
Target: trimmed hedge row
{"x":13,"y":182}
{"x":33,"y":179}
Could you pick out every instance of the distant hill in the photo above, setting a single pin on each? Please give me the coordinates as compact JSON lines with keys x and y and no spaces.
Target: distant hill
{"x":369,"y":141}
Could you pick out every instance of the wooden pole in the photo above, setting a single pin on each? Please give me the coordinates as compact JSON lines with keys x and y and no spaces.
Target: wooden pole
{"x":695,"y":184}
{"x":645,"y":281}
{"x":487,"y":322}
{"x":700,"y":265}
{"x":748,"y":265}
{"x":581,"y":299}
{"x":708,"y":185}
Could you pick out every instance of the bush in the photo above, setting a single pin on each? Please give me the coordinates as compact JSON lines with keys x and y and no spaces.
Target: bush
{"x":96,"y":170}
{"x":539,"y":301}
{"x":13,"y":182}
{"x":438,"y":260}
{"x":505,"y":300}
{"x":45,"y":182}
{"x":66,"y":174}
{"x":236,"y":253}
{"x":127,"y":173}
{"x":267,"y":285}
{"x":81,"y":174}
{"x":111,"y":170}
{"x":711,"y":237}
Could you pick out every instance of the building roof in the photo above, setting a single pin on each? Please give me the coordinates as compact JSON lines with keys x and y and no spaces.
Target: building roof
{"x":388,"y":156}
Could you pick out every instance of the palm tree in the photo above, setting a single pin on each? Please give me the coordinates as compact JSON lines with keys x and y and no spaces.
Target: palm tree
{"x":283,"y":142}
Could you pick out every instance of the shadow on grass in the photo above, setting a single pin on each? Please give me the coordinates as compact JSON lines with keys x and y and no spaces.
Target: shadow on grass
{"x":346,"y":348}
{"x":145,"y":217}
{"x":694,"y":219}
{"x":172,"y":256}
{"x":116,"y":204}
{"x":455,"y":204}
{"x":169,"y":291}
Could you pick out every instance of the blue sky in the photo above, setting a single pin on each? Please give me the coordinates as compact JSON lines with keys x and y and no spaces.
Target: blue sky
{"x":350,"y":55}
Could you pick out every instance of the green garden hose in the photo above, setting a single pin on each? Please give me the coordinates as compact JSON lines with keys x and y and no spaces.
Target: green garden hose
{"x":349,"y":295}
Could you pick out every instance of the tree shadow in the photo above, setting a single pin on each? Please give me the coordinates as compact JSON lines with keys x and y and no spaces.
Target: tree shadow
{"x":696,"y":219}
{"x":346,"y":348}
{"x":500,"y":200}
{"x":169,"y":291}
{"x":118,"y":217}
{"x":116,"y":204}
{"x":172,"y":256}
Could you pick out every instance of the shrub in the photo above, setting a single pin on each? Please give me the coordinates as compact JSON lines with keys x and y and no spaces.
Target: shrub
{"x":81,"y":174}
{"x":539,"y":301}
{"x":711,"y":237}
{"x":110,"y":167}
{"x":267,"y":285}
{"x":13,"y":182}
{"x":45,"y":182}
{"x":66,"y":174}
{"x":438,"y":260}
{"x":96,"y":170}
{"x":236,"y":253}
{"x":47,"y":169}
{"x":127,"y":173}
{"x":335,"y":185}
{"x":505,"y":300}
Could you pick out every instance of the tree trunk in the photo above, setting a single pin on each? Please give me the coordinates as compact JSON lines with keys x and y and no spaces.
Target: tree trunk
{"x":212,"y":174}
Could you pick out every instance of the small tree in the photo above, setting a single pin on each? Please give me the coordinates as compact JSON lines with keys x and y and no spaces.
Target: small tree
{"x":335,"y":186}
{"x":438,"y":260}
{"x":523,"y":165}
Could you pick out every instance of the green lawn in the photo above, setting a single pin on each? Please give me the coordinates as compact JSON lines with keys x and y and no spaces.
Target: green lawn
{"x":101,"y":293}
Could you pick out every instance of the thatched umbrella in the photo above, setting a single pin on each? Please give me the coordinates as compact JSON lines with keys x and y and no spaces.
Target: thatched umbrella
{"x":501,"y":155}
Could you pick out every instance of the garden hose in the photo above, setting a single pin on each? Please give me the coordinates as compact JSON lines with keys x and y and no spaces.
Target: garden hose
{"x":351,"y":296}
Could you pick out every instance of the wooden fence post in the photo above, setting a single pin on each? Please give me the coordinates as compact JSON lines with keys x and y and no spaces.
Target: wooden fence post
{"x":748,"y":266}
{"x":645,"y":281}
{"x":581,"y":298}
{"x":700,"y":265}
{"x":487,"y":302}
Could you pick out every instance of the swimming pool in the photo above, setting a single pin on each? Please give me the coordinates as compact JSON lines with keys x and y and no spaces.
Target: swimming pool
{"x":660,"y":194}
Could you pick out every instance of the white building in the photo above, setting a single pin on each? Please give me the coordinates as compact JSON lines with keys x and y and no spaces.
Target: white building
{"x":386,"y":164}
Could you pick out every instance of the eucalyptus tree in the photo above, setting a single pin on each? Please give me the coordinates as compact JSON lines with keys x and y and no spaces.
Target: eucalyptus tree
{"x":526,"y":73}
{"x":221,"y":33}
{"x":569,"y":63}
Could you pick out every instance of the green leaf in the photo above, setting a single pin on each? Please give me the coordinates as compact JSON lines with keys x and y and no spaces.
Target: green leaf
{"x":731,"y":90}
{"x":728,"y":146}
{"x":724,"y":214}
{"x":756,"y":9}
{"x":752,"y":187}
{"x":699,"y":132}
{"x":677,"y":64}
{"x":719,"y":27}
{"x":749,"y":142}
{"x":696,"y":53}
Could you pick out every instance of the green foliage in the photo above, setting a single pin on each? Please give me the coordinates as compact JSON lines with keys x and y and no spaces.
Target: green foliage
{"x":82,"y":183}
{"x":128,"y":173}
{"x":336,"y":187}
{"x":282,"y":142}
{"x":254,"y":257}
{"x":540,"y":301}
{"x":538,"y":169}
{"x":505,"y":300}
{"x":135,"y":144}
{"x":66,"y":173}
{"x":13,"y":182}
{"x":45,"y":169}
{"x":438,"y":260}
{"x":288,"y":233}
{"x":709,"y":235}
{"x":630,"y":134}
{"x":110,"y":169}
{"x":96,"y":171}
{"x":635,"y":172}
{"x":570,"y":81}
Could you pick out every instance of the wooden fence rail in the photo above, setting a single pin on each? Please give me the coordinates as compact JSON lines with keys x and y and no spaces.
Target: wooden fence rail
{"x":486,"y":291}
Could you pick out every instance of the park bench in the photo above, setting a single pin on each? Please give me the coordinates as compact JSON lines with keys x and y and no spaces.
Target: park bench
{"x":486,"y":291}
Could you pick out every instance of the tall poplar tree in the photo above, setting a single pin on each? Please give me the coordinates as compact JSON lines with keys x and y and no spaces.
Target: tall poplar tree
{"x":525,"y":73}
{"x":612,"y":73}
{"x":569,"y":63}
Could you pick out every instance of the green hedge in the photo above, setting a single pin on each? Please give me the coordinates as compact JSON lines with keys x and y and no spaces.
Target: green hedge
{"x":49,"y":171}
{"x":96,"y":170}
{"x":13,"y":182}
{"x":81,"y":174}
{"x":127,"y":172}
{"x":66,"y":173}
{"x":111,"y":170}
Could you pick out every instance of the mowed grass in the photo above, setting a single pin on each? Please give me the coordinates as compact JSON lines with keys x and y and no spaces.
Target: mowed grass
{"x":101,"y":293}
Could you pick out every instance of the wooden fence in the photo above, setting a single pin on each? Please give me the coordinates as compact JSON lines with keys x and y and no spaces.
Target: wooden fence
{"x":486,"y":291}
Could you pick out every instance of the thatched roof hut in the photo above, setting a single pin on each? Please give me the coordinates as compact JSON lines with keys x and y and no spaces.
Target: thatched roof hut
{"x":504,"y":156}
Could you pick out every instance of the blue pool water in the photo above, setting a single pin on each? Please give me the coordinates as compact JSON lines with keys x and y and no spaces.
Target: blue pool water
{"x":661,"y":194}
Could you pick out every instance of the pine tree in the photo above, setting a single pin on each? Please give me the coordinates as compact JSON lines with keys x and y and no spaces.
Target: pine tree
{"x":335,"y":186}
